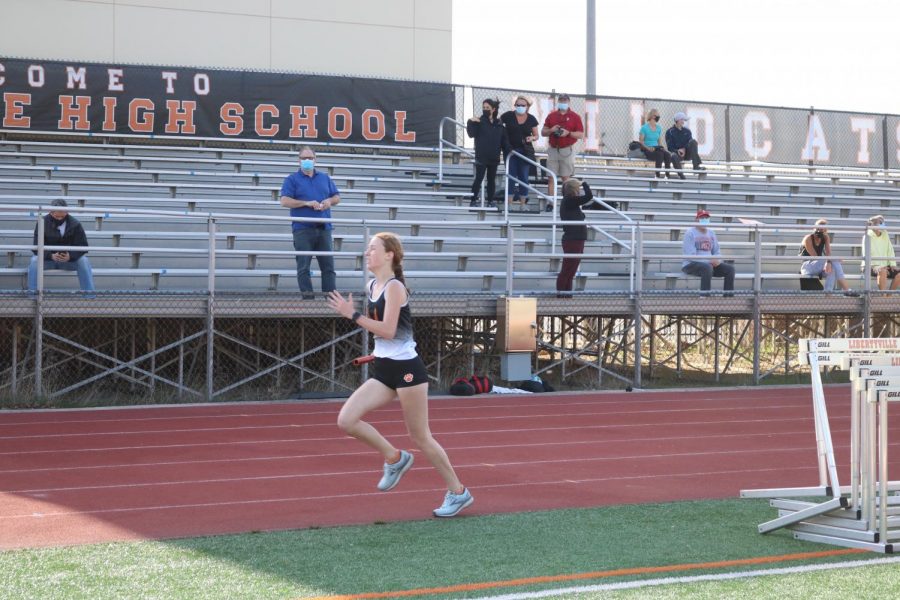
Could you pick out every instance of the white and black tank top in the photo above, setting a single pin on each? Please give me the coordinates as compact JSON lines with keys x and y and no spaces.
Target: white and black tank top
{"x":403,"y":346}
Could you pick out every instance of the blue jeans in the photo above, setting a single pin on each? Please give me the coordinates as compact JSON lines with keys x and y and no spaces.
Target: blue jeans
{"x":519,"y":169}
{"x":82,"y":266}
{"x":314,"y":239}
{"x":814,"y":268}
{"x":706,"y":272}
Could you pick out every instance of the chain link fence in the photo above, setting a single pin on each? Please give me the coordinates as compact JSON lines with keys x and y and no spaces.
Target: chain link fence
{"x":726,"y":132}
{"x":892,"y":128}
{"x":67,"y":350}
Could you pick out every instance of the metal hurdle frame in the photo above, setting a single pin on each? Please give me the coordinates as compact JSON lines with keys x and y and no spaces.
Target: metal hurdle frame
{"x":879,"y":504}
{"x":862,"y":369}
{"x":861,"y":518}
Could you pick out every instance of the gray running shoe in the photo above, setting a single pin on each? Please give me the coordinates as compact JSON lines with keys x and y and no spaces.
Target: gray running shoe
{"x":394,"y":471}
{"x":453,"y":503}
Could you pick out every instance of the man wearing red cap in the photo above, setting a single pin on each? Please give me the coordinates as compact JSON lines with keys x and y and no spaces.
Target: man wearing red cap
{"x":699,"y":241}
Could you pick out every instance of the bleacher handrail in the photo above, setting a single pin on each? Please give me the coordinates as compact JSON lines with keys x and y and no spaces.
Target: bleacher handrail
{"x":638,"y":258}
{"x":551,"y":176}
{"x":442,"y":142}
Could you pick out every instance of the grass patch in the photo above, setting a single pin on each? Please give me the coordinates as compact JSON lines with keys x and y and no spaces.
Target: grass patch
{"x":868,"y":582}
{"x":397,"y":556}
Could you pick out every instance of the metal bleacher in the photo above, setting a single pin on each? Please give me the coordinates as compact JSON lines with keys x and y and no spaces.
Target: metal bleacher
{"x":147,"y":205}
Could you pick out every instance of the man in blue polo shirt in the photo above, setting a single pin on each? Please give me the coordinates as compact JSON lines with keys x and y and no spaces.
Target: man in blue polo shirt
{"x":310,"y":193}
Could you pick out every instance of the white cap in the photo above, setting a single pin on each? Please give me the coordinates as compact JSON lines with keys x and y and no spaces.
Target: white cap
{"x":680,"y":116}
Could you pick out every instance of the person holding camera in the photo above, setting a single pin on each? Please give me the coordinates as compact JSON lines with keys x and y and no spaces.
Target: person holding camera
{"x":884,"y":267}
{"x":562,"y":127}
{"x":62,"y":229}
{"x":817,"y":245}
{"x":521,"y":129}
{"x":649,"y":139}
{"x":682,"y":145}
{"x":574,"y":236}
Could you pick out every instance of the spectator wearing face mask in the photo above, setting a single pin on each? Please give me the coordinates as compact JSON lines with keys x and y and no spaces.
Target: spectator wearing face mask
{"x":310,"y":193}
{"x":682,"y":145}
{"x":701,"y":241}
{"x":490,"y":139}
{"x":817,"y":245}
{"x":62,"y":229}
{"x":883,"y":265}
{"x":522,"y":132}
{"x":562,"y":128}
{"x":649,"y":138}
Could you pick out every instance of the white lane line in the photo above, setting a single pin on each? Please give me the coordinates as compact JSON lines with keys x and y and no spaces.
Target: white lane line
{"x":401,"y":421}
{"x":641,"y":583}
{"x":478,"y":432}
{"x":434,"y":407}
{"x":516,"y":463}
{"x":5,"y":517}
{"x":528,"y":444}
{"x":518,"y":414}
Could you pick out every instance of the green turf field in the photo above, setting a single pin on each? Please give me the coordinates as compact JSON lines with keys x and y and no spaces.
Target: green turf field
{"x":438,"y":553}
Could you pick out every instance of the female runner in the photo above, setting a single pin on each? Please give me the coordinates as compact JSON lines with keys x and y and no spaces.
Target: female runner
{"x":398,"y":373}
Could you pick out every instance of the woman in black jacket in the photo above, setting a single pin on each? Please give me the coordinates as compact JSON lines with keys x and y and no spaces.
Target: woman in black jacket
{"x":490,"y":139}
{"x":574,"y":236}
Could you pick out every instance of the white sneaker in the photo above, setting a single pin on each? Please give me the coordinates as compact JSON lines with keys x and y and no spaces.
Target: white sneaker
{"x":453,"y":503}
{"x":394,"y":471}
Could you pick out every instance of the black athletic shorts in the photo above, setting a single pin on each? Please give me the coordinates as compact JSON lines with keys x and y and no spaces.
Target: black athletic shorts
{"x":400,"y":373}
{"x":891,"y":273}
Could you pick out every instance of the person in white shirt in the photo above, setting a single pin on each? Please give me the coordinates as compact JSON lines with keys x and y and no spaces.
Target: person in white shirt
{"x":700,"y":241}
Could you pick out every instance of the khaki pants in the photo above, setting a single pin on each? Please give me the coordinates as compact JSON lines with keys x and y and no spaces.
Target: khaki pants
{"x":561,"y":161}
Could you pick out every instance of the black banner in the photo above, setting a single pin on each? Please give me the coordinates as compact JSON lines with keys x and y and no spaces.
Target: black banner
{"x":106,"y":98}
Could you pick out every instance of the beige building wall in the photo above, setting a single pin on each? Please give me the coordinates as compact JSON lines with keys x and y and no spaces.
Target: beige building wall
{"x":409,"y":39}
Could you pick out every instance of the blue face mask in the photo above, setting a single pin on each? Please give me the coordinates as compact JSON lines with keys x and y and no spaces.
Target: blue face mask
{"x":563,"y":106}
{"x":307,"y":164}
{"x":521,"y":110}
{"x":704,"y":221}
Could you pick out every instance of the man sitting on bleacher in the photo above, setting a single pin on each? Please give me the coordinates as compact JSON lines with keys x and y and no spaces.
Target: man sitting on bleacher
{"x":681,"y":143}
{"x":700,"y":240}
{"x":62,"y":229}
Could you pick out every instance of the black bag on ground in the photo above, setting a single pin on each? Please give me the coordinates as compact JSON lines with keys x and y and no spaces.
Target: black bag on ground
{"x":462,"y":387}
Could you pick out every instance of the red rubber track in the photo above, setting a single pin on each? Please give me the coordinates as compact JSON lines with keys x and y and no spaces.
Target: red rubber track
{"x":71,"y":477}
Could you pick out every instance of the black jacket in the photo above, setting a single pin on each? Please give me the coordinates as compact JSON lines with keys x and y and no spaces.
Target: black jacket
{"x":74,"y":236}
{"x":570,"y":210}
{"x":676,"y":139}
{"x":517,"y":133}
{"x":490,"y":139}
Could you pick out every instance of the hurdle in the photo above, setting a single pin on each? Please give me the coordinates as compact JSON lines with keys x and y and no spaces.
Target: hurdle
{"x":862,"y":514}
